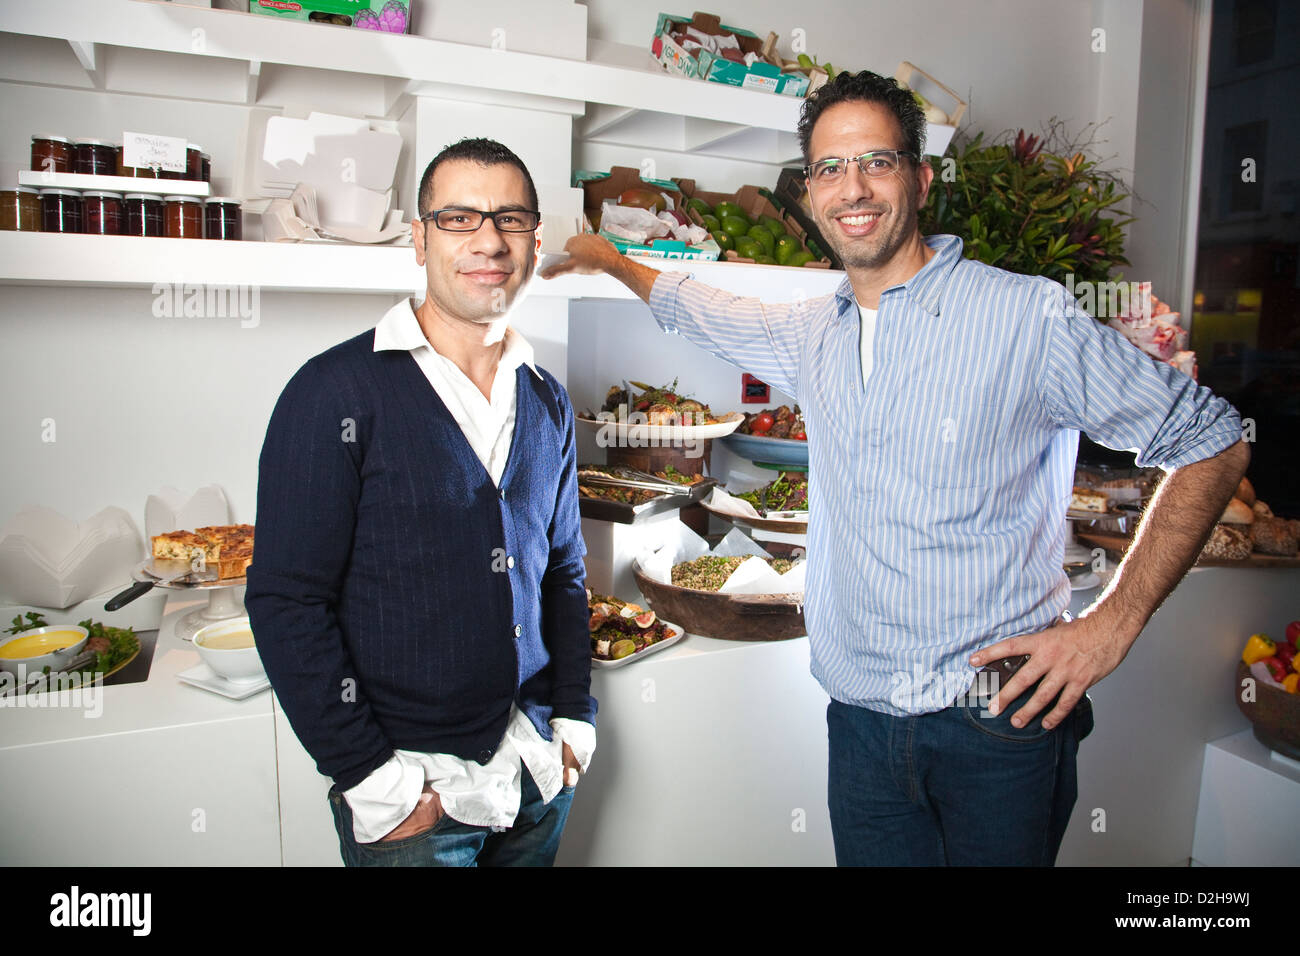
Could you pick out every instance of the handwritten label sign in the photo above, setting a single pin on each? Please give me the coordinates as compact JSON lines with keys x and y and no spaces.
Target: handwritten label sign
{"x":147,"y":149}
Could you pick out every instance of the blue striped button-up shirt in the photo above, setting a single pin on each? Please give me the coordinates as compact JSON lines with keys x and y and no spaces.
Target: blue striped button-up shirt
{"x":938,"y":490}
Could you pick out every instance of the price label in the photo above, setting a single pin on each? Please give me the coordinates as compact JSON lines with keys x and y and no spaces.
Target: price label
{"x":148,"y":149}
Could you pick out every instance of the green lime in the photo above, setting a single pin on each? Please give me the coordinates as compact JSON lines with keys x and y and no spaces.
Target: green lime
{"x":723,"y":240}
{"x":747,"y":248}
{"x":786,"y":247}
{"x":800,"y":259}
{"x":711,"y":222}
{"x":774,"y":225}
{"x":699,"y":205}
{"x":766,"y":260}
{"x":734,"y":226}
{"x":763,"y":236}
{"x":724,"y":209}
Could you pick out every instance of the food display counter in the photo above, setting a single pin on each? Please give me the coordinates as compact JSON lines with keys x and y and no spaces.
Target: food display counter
{"x":711,"y":752}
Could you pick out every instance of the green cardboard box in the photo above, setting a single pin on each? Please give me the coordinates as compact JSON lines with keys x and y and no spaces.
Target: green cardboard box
{"x":705,"y":65}
{"x":384,"y":16}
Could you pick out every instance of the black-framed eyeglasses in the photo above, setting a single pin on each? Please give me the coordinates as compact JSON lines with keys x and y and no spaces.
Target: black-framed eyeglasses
{"x":875,"y":164}
{"x":454,"y":219}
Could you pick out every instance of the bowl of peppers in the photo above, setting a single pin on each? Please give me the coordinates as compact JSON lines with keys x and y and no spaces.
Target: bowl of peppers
{"x":1268,"y":690}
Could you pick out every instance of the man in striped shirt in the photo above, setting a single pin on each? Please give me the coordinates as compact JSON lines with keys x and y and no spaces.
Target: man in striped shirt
{"x":943,"y":400}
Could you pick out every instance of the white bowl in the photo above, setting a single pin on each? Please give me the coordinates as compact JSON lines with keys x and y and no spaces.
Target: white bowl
{"x":54,"y":659}
{"x":239,"y":665}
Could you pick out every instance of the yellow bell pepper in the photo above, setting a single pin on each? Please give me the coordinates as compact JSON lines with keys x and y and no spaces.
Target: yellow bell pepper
{"x":1257,"y":648}
{"x":1290,"y":681}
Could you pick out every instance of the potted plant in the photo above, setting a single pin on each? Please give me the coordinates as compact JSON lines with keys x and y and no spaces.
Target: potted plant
{"x":1033,"y":205}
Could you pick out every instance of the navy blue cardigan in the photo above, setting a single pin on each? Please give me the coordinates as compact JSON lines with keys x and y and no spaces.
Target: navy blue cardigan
{"x":399,"y":599}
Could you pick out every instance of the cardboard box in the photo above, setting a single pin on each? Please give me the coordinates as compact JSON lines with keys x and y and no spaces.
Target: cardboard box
{"x":817,"y":77}
{"x":754,"y":202}
{"x":791,"y":195}
{"x":387,"y":16}
{"x":598,"y":187}
{"x":717,"y":69}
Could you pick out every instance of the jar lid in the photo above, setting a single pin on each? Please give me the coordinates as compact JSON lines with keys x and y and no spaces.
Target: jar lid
{"x":150,"y":197}
{"x":101,"y":194}
{"x":86,"y":141}
{"x":180,"y":198}
{"x":50,"y":136}
{"x":223,"y":199}
{"x":59,"y":191}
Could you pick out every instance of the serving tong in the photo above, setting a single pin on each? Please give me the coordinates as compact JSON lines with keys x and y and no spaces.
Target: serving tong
{"x":83,"y":659}
{"x":632,"y":478}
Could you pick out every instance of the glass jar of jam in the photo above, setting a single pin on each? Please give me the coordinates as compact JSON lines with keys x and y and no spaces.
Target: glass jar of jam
{"x":60,"y":210}
{"x":102,"y":212}
{"x":206,"y":174}
{"x":94,"y":157}
{"x":193,"y":162}
{"x":20,"y":209}
{"x":222,"y":218}
{"x":51,"y":153}
{"x":144,"y":215}
{"x":183,"y":217}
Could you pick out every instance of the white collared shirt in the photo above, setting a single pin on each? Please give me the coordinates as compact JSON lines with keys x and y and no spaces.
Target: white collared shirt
{"x":486,"y":795}
{"x":867,"y":340}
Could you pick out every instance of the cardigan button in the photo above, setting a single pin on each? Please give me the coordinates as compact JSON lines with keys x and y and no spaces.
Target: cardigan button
{"x":510,"y":561}
{"x":484,"y":756}
{"x":519,"y":630}
{"x":501,"y":493}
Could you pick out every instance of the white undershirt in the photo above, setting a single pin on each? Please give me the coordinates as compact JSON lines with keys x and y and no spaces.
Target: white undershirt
{"x":486,"y":795}
{"x":867,"y":341}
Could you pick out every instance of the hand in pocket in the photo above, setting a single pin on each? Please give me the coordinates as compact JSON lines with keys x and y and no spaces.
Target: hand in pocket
{"x":428,"y":811}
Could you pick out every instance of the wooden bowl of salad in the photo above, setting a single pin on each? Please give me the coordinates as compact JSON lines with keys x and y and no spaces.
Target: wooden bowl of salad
{"x":729,"y":617}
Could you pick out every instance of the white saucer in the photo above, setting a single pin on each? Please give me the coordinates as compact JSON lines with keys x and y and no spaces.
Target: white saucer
{"x":201,"y":675}
{"x":1086,"y":582}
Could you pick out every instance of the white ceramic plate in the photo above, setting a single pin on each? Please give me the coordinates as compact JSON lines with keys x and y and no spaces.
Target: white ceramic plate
{"x":661,"y":435}
{"x":1086,"y":582}
{"x":678,"y":634}
{"x":203,"y":676}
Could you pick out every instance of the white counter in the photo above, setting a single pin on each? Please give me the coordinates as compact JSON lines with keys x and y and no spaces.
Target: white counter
{"x":710,"y":752}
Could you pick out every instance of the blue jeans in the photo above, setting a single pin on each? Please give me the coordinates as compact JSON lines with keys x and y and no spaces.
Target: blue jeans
{"x":532,"y":841}
{"x":951,"y":787}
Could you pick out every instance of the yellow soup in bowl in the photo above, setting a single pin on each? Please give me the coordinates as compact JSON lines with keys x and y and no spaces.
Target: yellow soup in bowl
{"x":230,"y":641}
{"x":34,"y":645}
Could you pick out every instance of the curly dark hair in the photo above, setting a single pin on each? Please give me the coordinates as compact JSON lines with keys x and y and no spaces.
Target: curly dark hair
{"x":485,"y":152}
{"x":867,"y":87}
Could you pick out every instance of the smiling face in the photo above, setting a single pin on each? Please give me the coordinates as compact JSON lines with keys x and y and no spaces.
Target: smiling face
{"x":865,"y":220}
{"x":476,"y":276}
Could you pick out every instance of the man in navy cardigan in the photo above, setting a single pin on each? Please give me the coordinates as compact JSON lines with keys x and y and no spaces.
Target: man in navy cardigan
{"x":417,"y":592}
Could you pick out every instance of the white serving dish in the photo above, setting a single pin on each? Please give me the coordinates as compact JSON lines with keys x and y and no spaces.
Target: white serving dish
{"x":238,"y":665}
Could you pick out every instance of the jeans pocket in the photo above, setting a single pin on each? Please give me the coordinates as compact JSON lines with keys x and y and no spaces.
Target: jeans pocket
{"x":384,"y":846}
{"x":999,"y":726}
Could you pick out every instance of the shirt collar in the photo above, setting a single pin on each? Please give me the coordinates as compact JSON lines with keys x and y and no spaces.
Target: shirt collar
{"x":926,"y":287}
{"x":400,"y":330}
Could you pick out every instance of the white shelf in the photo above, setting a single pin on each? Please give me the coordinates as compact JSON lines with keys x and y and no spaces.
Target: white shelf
{"x":117,"y":184}
{"x":614,"y":73}
{"x":633,"y":100}
{"x":126,"y":262}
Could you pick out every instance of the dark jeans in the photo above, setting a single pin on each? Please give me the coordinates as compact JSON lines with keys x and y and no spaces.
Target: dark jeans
{"x":951,"y":787}
{"x":532,"y":841}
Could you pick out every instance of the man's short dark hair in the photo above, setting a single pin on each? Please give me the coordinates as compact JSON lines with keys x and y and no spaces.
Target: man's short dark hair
{"x":485,"y":152}
{"x":865,"y":87}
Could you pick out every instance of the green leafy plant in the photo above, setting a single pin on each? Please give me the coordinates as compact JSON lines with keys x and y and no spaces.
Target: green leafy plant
{"x":1036,"y":206}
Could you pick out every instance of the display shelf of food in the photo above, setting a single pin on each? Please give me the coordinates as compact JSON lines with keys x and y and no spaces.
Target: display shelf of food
{"x":34,"y":258}
{"x":641,"y":104}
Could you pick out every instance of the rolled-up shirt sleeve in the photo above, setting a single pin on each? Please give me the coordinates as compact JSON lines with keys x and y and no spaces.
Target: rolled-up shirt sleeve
{"x":757,"y":337}
{"x":1095,"y":380}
